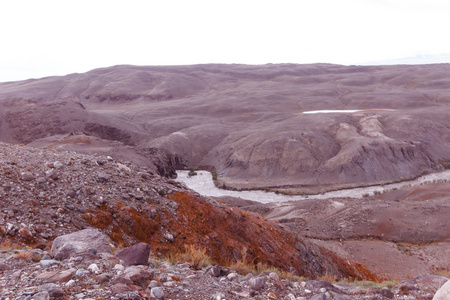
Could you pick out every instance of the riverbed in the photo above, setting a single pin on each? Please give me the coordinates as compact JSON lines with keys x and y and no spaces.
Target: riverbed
{"x":203,"y":184}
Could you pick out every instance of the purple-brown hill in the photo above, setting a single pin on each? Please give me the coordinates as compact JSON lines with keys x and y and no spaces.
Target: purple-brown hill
{"x":246,"y":121}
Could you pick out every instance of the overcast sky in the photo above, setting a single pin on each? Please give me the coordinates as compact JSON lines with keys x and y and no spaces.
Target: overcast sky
{"x":56,"y":37}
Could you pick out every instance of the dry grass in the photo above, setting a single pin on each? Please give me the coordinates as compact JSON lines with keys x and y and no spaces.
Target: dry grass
{"x":328,"y":277}
{"x":196,"y":256}
{"x":24,"y":255}
{"x":7,"y":246}
{"x":242,"y":266}
{"x":365,"y":284}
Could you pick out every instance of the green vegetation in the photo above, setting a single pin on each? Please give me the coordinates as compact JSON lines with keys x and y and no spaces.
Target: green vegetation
{"x":192,"y":172}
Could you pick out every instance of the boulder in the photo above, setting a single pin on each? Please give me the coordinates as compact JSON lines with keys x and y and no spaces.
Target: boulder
{"x":443,"y":293}
{"x":73,"y":244}
{"x":135,"y":255}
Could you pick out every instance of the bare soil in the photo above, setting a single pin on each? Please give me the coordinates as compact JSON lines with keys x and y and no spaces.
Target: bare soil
{"x":397,"y":234}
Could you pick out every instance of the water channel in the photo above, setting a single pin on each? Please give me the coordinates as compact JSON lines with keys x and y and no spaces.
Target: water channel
{"x":203,"y":184}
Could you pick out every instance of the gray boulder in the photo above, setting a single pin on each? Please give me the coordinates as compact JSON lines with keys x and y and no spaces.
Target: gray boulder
{"x":73,"y":244}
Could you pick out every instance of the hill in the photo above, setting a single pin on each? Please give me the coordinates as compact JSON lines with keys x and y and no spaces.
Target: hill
{"x":247,"y":122}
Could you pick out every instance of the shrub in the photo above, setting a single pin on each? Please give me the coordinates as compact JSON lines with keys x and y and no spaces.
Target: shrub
{"x":192,"y":172}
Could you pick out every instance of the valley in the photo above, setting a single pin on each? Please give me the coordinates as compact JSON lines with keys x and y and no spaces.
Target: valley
{"x":327,"y":169}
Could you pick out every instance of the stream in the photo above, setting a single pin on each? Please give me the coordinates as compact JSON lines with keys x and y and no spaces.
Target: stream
{"x":203,"y":184}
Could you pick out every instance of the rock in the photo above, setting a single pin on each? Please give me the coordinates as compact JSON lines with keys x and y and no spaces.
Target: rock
{"x":274,"y":276}
{"x":215,"y":271}
{"x":318,"y":284}
{"x":342,"y":297}
{"x":119,"y":288}
{"x":102,"y":278}
{"x":443,"y":293}
{"x":92,"y":251}
{"x":46,"y":257}
{"x":57,"y":165}
{"x":41,"y":296}
{"x":319,"y":297}
{"x":26,"y":234}
{"x":93,"y":268}
{"x":4,"y":267}
{"x":57,"y":276}
{"x":54,"y":291}
{"x":80,"y":273}
{"x":257,"y":283}
{"x":135,"y":255}
{"x":168,"y":237}
{"x":385,"y":292}
{"x":421,"y":282}
{"x":103,"y":176}
{"x":50,"y":262}
{"x":139,"y":275}
{"x":350,"y":289}
{"x":291,"y":297}
{"x":73,"y":244}
{"x":157,"y":292}
{"x":233,"y":277}
{"x":71,"y":283}
{"x":128,"y":296}
{"x":153,"y":284}
{"x":123,"y":280}
{"x":27,"y":176}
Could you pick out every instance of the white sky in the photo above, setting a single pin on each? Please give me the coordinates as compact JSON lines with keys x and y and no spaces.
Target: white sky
{"x":57,"y":37}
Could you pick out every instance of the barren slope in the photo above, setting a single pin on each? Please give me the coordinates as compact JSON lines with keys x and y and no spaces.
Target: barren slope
{"x":247,"y":121}
{"x":397,"y":234}
{"x":47,"y":193}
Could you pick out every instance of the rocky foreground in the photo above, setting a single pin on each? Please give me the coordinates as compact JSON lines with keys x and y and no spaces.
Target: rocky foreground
{"x":81,"y":266}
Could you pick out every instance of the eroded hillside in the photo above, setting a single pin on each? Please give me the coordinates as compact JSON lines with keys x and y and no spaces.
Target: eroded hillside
{"x":47,"y":193}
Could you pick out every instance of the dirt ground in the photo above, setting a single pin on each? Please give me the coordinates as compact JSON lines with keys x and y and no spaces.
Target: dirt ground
{"x":398,"y":234}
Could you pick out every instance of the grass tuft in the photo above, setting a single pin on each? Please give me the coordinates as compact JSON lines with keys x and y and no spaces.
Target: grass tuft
{"x":196,"y":256}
